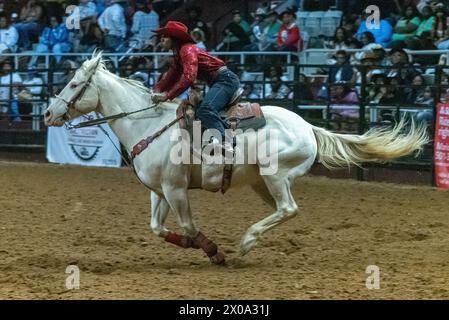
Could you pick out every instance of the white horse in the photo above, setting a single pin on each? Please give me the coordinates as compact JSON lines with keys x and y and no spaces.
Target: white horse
{"x":94,"y":88}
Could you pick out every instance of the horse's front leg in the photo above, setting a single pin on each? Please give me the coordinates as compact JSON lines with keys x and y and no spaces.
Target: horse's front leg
{"x":159,"y":213}
{"x":177,"y":199}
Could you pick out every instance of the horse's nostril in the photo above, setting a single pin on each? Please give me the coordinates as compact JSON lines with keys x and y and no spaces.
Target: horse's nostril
{"x":47,"y":114}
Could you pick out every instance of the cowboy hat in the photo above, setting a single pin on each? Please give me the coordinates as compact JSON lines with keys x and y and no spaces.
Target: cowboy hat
{"x":175,"y":30}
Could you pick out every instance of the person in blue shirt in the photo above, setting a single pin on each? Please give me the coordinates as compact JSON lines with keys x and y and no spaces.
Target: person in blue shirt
{"x":54,"y":38}
{"x":382,"y":33}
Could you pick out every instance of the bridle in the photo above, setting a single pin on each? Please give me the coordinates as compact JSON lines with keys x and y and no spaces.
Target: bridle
{"x":71,"y":104}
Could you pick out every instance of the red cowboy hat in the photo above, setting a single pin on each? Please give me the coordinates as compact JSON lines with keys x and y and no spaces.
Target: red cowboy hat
{"x":175,"y":30}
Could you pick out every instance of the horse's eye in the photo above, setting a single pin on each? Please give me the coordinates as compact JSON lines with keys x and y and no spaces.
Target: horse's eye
{"x":73,"y":85}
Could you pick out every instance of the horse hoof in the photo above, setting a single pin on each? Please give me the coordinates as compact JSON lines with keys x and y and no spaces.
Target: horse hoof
{"x":247,"y":244}
{"x":218,"y":258}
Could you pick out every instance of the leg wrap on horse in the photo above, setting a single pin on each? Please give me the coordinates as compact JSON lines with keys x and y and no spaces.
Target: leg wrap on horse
{"x":180,"y":240}
{"x":207,"y":245}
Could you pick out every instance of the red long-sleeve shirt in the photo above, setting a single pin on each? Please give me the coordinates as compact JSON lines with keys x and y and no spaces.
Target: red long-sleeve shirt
{"x":289,"y":36}
{"x":191,"y":64}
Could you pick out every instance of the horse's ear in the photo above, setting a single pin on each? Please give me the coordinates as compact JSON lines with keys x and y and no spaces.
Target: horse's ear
{"x":95,"y":61}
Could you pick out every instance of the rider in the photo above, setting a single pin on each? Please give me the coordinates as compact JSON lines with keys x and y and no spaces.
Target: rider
{"x":191,"y":63}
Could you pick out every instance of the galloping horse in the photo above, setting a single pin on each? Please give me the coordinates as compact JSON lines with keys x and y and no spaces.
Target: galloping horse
{"x":94,"y":88}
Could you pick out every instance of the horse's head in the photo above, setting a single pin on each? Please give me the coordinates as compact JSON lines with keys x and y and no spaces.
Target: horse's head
{"x":80,"y":96}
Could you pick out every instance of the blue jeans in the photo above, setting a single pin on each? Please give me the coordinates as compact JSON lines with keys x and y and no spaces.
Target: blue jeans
{"x":58,"y":48}
{"x":113,"y":43}
{"x":216,"y":99}
{"x":25,"y":30}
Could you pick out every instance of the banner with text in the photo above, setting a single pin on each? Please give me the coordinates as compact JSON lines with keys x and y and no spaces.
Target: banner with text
{"x":442,"y":146}
{"x":85,"y":146}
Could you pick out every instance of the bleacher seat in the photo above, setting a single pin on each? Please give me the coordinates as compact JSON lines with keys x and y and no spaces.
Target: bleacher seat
{"x":330,"y":22}
{"x":301,"y":19}
{"x":313,"y":23}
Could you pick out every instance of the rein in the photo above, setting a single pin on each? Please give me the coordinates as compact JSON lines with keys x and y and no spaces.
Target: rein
{"x":95,"y":122}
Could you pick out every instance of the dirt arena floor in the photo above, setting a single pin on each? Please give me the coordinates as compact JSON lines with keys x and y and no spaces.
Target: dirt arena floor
{"x":54,"y":216}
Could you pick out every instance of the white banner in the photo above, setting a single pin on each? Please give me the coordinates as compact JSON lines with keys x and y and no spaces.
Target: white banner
{"x":86,"y":146}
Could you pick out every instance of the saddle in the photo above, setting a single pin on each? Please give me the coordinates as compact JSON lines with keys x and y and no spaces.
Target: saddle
{"x":238,"y":116}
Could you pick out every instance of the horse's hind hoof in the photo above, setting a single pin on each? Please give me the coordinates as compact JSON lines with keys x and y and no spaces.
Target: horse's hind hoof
{"x":218,"y":258}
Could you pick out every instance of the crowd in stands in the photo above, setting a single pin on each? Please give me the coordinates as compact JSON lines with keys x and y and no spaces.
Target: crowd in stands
{"x":126,"y":26}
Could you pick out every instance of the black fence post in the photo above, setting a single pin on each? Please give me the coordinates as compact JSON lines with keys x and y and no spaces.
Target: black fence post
{"x":360,"y":172}
{"x":439,"y":70}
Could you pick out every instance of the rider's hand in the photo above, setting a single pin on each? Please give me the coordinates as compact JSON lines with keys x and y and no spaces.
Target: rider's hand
{"x":157,"y":98}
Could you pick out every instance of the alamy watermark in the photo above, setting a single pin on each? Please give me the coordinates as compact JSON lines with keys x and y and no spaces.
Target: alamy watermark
{"x":73,"y":21}
{"x":373,"y":280}
{"x":73,"y":280}
{"x":373,"y":17}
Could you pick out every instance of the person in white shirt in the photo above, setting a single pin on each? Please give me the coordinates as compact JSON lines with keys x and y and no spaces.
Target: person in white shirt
{"x":33,"y":83}
{"x":144,"y":22}
{"x":10,"y":82}
{"x":112,"y":23}
{"x":199,"y":38}
{"x":8,"y":35}
{"x":87,"y":9}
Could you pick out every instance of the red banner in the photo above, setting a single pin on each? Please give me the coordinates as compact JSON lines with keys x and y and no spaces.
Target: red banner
{"x":441,"y":153}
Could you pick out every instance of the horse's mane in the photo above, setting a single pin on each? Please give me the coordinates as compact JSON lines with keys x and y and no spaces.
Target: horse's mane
{"x":97,"y":57}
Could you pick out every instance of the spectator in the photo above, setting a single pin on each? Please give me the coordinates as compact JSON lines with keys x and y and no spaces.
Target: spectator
{"x":91,"y":38}
{"x":424,"y":42}
{"x":401,"y":66}
{"x":33,"y":83}
{"x":242,"y":22}
{"x":194,"y":21}
{"x":344,"y":100}
{"x":29,"y":23}
{"x":199,"y":38}
{"x":441,"y":23}
{"x":270,"y":32}
{"x":235,"y":37}
{"x":427,"y":22}
{"x":407,"y":25}
{"x":341,"y":71}
{"x":256,"y":33}
{"x":8,"y":36}
{"x":54,"y":38}
{"x":382,"y":34}
{"x":112,"y":23}
{"x":340,"y":41}
{"x":10,"y":82}
{"x":87,"y":10}
{"x":278,"y":89}
{"x":427,"y":100}
{"x":417,"y":90}
{"x":145,"y":21}
{"x":250,"y":92}
{"x":289,"y":37}
{"x":303,"y":90}
{"x":443,"y":44}
{"x":101,"y":6}
{"x":368,"y":43}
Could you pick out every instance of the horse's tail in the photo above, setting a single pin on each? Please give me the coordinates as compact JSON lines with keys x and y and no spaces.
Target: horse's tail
{"x":377,"y":145}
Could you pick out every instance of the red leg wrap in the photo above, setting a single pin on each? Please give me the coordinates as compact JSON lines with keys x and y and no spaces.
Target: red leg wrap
{"x":204,"y":243}
{"x":179,"y":240}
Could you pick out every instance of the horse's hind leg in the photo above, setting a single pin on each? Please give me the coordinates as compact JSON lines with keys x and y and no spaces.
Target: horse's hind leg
{"x":261,"y":189}
{"x":286,"y":208}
